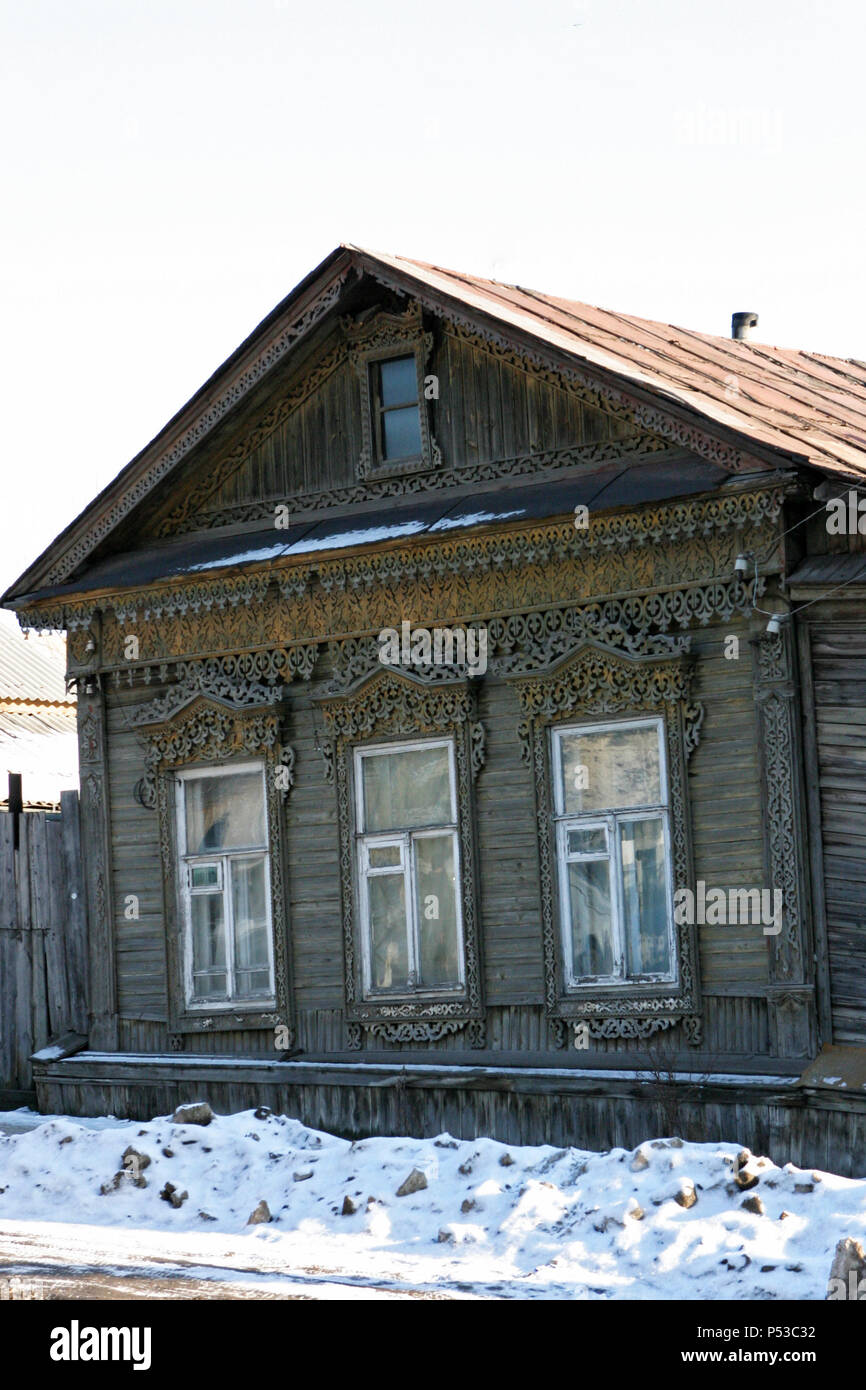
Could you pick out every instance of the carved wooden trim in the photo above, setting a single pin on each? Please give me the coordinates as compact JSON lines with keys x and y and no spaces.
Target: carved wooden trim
{"x":375,"y":339}
{"x":785,"y":856}
{"x":211,"y":731}
{"x":384,"y":487}
{"x":97,"y":867}
{"x":595,"y":680}
{"x":393,"y":705}
{"x":187,"y":513}
{"x":680,"y":548}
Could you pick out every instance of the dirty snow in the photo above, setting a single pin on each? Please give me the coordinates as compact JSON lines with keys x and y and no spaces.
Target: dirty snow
{"x":493,"y":1219}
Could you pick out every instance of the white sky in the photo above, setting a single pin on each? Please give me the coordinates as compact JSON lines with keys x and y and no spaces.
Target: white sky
{"x":171,"y":168}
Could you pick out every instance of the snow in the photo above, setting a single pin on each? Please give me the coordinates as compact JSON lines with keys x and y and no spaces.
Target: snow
{"x":244,"y":557}
{"x":494,"y":1220}
{"x":447,"y":523}
{"x":361,"y":535}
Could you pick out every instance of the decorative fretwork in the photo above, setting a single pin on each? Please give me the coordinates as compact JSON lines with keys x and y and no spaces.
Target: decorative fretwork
{"x":785,"y":837}
{"x":597,"y":681}
{"x":208,"y":730}
{"x":372,"y":339}
{"x":390,"y":705}
{"x":583,"y":456}
{"x":675,"y":553}
{"x":187,"y":514}
{"x":97,"y":868}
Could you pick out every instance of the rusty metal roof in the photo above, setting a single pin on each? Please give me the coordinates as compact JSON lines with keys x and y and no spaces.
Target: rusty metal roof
{"x":809,"y":405}
{"x":789,"y":406}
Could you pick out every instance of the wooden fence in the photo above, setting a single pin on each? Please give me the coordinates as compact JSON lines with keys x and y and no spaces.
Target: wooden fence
{"x":43,"y":943}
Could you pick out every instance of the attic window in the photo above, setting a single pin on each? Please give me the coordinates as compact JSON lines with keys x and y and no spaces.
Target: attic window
{"x":398,"y":415}
{"x":391,"y":354}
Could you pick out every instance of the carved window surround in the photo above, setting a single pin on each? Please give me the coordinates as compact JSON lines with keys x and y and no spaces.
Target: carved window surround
{"x":595,"y":680}
{"x":793,"y":1022}
{"x":211,"y":731}
{"x":388,"y":706}
{"x":376,"y":339}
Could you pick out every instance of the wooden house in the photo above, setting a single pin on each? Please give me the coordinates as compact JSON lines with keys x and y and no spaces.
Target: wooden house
{"x":443,"y":764}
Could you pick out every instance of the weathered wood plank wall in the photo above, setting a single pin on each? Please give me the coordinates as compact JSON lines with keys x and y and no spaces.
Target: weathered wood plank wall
{"x":43,"y":945}
{"x":725,"y":816}
{"x":838,"y":657}
{"x":490,"y":410}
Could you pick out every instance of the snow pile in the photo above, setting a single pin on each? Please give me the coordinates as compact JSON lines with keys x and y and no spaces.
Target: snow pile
{"x":667,"y":1220}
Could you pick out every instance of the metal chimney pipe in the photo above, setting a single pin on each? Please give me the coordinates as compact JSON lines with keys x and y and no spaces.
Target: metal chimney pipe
{"x":742,"y":325}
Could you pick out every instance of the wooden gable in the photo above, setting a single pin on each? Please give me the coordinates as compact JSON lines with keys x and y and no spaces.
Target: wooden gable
{"x":491,"y":413}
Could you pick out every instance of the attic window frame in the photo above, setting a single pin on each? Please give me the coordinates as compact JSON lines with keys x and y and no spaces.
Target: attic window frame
{"x":382,"y":338}
{"x":379,"y":410}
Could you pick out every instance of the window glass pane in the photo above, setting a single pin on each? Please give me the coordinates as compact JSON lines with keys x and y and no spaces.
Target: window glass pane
{"x":592,"y":840}
{"x":436,"y":889}
{"x":642,"y":849}
{"x":252,"y":983}
{"x":388,"y":940}
{"x":250,"y":912}
{"x":385,"y":857}
{"x":611,"y":769}
{"x":398,"y":381}
{"x":224,"y":812}
{"x":208,"y":944}
{"x":407,"y":789}
{"x":205,"y":876}
{"x":401,"y":433}
{"x":591,"y":931}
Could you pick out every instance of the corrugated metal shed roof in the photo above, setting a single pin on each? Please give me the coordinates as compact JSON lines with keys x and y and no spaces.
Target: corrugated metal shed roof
{"x":42,"y":745}
{"x":32,"y":668}
{"x":809,"y":405}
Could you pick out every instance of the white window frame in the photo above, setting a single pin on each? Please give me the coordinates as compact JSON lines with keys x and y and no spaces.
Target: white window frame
{"x":374,"y":839}
{"x":186,"y":862}
{"x":610,"y":820}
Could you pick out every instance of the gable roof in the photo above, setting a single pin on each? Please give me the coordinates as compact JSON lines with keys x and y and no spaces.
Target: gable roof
{"x":806,"y":404}
{"x":782,"y":405}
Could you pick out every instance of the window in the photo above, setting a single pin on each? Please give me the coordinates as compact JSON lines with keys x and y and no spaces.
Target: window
{"x":613,"y":852}
{"x":225,"y":885}
{"x":397,"y":413}
{"x":409,"y":869}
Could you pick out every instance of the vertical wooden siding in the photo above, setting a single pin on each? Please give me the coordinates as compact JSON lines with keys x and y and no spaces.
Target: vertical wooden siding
{"x":839,"y":683}
{"x":43,"y":948}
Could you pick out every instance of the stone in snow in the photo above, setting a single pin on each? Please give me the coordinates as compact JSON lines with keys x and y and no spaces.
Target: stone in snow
{"x":260,"y":1214}
{"x":753,"y":1204}
{"x":171,"y":1195}
{"x":196,"y":1113}
{"x":349,"y":1207}
{"x":848,"y":1259}
{"x":416,"y":1182}
{"x":133,"y":1163}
